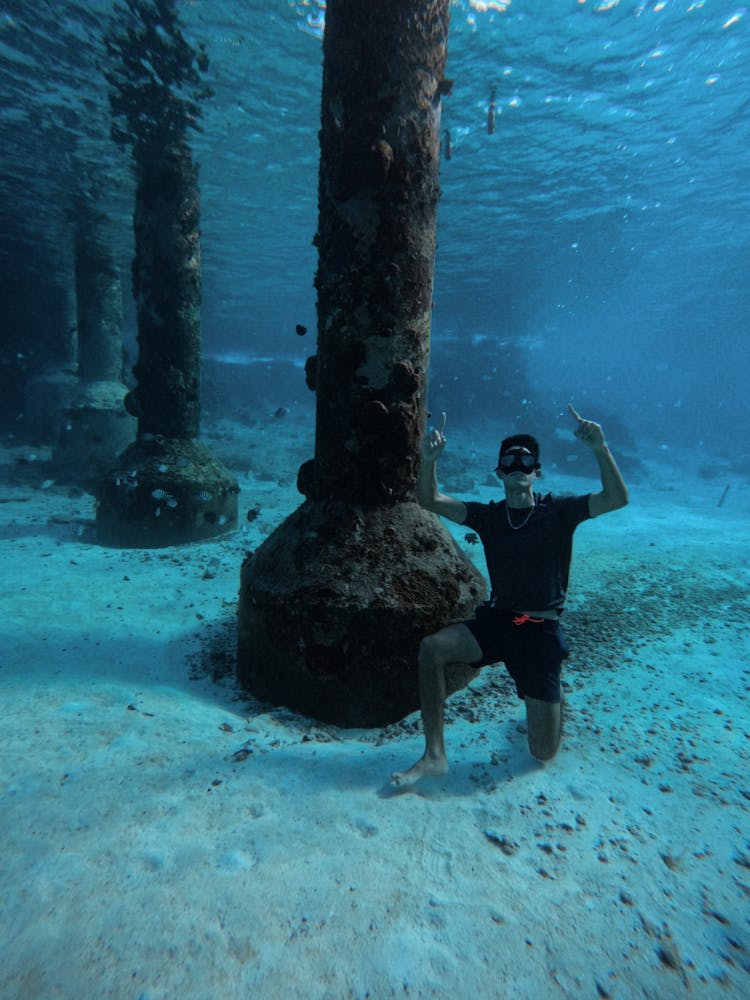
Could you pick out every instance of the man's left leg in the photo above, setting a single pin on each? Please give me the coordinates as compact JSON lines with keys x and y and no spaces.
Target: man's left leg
{"x":537,"y":674}
{"x":543,"y":724}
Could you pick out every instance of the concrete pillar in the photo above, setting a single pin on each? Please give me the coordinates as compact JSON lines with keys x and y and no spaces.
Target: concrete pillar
{"x":333,"y":605}
{"x":166,"y":487}
{"x":49,"y":394}
{"x":97,"y":426}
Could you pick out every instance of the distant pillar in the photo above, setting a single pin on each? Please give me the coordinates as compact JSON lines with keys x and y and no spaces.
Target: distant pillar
{"x":69,"y":327}
{"x":97,"y":427}
{"x":49,"y":394}
{"x":167,"y":289}
{"x":99,"y":297}
{"x":333,"y":605}
{"x":167,"y":488}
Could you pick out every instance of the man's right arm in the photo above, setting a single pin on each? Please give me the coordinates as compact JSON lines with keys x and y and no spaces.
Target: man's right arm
{"x":428,"y":494}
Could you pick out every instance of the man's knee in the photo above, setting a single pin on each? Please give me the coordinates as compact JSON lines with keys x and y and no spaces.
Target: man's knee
{"x":431,"y":650}
{"x":452,"y":644}
{"x":544,"y":747}
{"x":543,"y":727}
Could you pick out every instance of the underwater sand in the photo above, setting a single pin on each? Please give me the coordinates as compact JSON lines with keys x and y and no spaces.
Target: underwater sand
{"x":164,"y":837}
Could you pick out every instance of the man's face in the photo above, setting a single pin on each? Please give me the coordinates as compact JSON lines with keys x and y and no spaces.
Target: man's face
{"x":517,"y":464}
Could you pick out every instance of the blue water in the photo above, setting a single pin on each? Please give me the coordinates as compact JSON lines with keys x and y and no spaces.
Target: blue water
{"x":595,"y":247}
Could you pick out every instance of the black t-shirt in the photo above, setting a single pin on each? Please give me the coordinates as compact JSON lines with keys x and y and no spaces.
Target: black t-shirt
{"x":528,"y":567}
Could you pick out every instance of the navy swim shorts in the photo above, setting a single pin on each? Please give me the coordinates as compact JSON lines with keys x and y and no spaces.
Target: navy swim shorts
{"x":532,"y":652}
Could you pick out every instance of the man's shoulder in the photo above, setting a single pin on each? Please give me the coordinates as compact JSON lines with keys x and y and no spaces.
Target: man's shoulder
{"x":479,"y":512}
{"x":562,"y":497}
{"x":573,"y":504}
{"x":482,"y":507}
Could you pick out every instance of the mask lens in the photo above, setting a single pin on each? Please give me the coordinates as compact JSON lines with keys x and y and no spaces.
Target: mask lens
{"x":516,"y":461}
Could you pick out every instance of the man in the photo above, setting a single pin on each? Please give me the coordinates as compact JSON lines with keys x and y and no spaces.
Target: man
{"x":527,"y":543}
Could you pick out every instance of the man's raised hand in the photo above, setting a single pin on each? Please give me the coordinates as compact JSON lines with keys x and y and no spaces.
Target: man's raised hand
{"x":587,"y":431}
{"x":435,"y":441}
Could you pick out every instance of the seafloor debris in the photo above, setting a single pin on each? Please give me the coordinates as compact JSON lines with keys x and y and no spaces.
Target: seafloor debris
{"x":507,"y":846}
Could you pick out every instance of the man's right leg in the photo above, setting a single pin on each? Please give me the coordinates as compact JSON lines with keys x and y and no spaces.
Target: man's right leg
{"x":444,"y":667}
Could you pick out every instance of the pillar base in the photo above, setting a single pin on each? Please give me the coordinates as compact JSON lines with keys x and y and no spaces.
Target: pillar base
{"x":96,"y":431}
{"x":335,"y":602}
{"x":165,"y":491}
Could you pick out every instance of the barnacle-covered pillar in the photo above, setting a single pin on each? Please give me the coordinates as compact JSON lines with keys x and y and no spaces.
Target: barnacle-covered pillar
{"x":333,"y":605}
{"x":166,"y":488}
{"x":97,"y":427}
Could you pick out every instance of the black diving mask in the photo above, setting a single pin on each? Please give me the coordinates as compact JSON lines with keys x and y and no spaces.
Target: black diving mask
{"x":516,"y":461}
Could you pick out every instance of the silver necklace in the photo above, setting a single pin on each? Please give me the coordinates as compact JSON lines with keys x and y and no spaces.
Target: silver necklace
{"x":517,"y":527}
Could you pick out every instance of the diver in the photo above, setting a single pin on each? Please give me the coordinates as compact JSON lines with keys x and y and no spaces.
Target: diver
{"x":527,"y":541}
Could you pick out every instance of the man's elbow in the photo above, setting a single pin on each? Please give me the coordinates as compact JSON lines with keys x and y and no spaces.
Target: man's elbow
{"x":622,"y":500}
{"x":603,"y":503}
{"x":428,"y":502}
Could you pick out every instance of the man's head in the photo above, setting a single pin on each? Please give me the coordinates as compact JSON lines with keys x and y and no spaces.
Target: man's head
{"x":518,"y":453}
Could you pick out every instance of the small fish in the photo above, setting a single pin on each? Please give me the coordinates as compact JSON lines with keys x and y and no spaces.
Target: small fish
{"x":281,"y":412}
{"x":204,"y":496}
{"x":158,"y":494}
{"x":300,"y":330}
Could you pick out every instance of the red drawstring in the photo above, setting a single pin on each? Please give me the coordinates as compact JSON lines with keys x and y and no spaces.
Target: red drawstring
{"x":522,"y":619}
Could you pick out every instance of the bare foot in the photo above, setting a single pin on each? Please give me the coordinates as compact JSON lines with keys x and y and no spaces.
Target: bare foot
{"x":424,"y":767}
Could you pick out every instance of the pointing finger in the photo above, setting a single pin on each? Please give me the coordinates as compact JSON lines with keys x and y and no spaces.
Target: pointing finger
{"x":442,"y":422}
{"x":574,"y":413}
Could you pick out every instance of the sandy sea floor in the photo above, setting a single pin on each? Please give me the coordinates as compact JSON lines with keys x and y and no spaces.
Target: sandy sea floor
{"x":164,"y":837}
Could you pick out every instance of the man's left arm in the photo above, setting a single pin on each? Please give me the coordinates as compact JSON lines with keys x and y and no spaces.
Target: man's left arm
{"x":614,"y":492}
